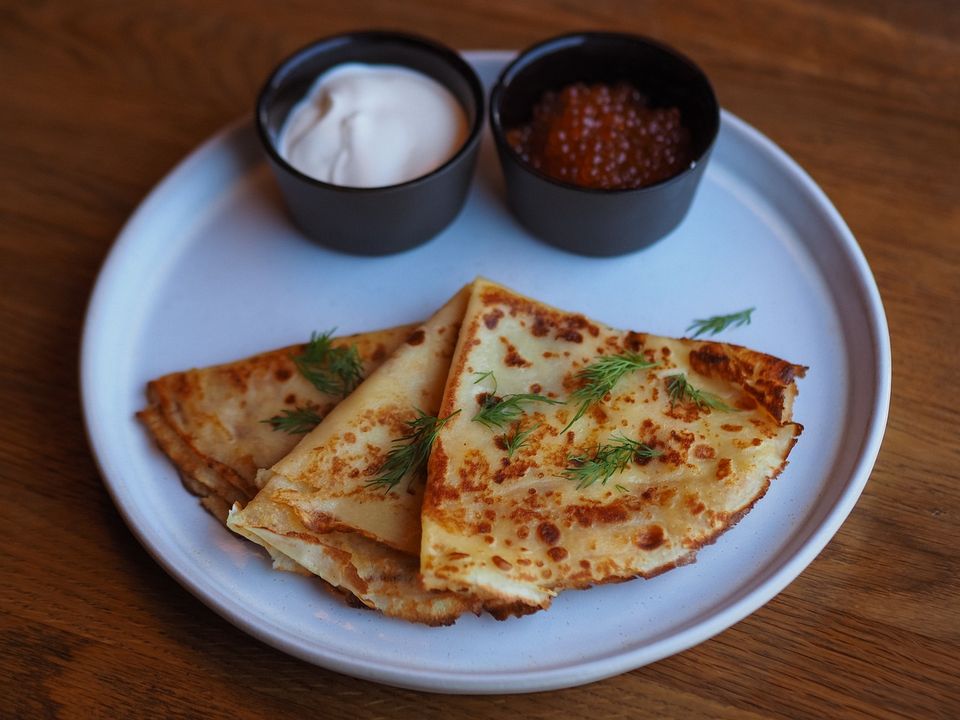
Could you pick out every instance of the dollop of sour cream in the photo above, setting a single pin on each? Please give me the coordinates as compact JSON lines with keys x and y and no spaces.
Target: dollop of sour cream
{"x":372,"y":126}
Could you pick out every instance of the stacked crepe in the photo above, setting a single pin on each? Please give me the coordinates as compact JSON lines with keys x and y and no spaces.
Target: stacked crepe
{"x":508,"y":511}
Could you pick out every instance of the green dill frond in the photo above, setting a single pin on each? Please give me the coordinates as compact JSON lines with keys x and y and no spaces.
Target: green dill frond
{"x":680,"y":390}
{"x":498,"y":412}
{"x":410,"y":452}
{"x":481,"y":376}
{"x":600,"y":377}
{"x":519,"y":439}
{"x":331,"y":370}
{"x":606,"y":460}
{"x":298,"y":421}
{"x":719,"y":323}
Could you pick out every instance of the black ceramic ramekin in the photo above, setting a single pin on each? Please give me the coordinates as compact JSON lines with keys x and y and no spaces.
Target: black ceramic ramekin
{"x":382,"y":220}
{"x":595,"y":221}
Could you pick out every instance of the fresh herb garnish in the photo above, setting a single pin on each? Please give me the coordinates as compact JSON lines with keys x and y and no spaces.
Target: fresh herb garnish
{"x":600,"y":376}
{"x":480,"y":377}
{"x":718,"y":323}
{"x":519,"y":439}
{"x":497,"y":412}
{"x":621,"y":488}
{"x":681,"y":390}
{"x":331,"y":370}
{"x":607,"y":460}
{"x":298,"y":421}
{"x":410,"y":452}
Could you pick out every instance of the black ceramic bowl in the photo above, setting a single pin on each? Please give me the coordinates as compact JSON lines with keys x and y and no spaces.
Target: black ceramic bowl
{"x":595,"y":221}
{"x":381,"y":220}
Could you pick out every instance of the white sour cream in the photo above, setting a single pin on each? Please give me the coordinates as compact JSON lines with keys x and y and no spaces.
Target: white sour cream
{"x":372,"y":126}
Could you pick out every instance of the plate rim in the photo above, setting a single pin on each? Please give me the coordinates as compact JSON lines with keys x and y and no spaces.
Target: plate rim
{"x":571,"y":674}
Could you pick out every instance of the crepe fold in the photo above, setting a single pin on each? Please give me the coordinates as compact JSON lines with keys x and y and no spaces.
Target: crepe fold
{"x":210,"y":421}
{"x":500,"y":519}
{"x":318,"y":504}
{"x":519,"y":527}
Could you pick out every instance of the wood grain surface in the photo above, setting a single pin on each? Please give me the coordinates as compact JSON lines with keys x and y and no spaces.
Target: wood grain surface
{"x":100,"y":99}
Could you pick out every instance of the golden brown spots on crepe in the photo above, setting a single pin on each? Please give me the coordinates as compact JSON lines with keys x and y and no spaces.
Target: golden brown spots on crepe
{"x":492,"y":318}
{"x":649,"y":538}
{"x":599,"y":414}
{"x":658,"y":495}
{"x":693,"y":503}
{"x":587,"y":515}
{"x":472,"y":471}
{"x":540,"y":326}
{"x":548,"y":533}
{"x":704,"y":452}
{"x":513,"y":358}
{"x":723,"y":468}
{"x":512,"y":470}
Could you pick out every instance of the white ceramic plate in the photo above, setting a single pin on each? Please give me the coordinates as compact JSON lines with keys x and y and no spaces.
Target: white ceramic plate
{"x":209,"y":269}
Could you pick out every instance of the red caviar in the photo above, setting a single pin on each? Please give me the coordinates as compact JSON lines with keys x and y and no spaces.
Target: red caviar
{"x":603,"y":136}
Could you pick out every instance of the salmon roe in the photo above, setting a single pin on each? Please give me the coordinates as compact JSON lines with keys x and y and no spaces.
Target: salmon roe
{"x":603,"y":136}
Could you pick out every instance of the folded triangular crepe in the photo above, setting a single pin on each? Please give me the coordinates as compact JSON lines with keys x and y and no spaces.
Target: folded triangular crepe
{"x":525,"y":497}
{"x":509,"y":518}
{"x":326,"y":489}
{"x":209,"y":421}
{"x":327,"y":477}
{"x":375,"y":575}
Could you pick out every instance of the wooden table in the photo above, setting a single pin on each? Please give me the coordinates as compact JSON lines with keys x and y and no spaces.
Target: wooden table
{"x":99,"y":100}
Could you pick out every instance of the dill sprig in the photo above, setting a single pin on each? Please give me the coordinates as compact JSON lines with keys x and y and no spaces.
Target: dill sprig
{"x":600,"y":377}
{"x":481,"y":376}
{"x":518,"y":439}
{"x":681,"y":390}
{"x":298,"y":421}
{"x":410,"y":452}
{"x":606,"y":461}
{"x":498,"y":412}
{"x":718,"y":323}
{"x":331,"y":370}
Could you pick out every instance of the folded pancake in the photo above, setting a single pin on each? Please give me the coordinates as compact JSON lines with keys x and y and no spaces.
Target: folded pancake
{"x":620,"y":480}
{"x":377,"y":576}
{"x":209,"y":421}
{"x":325,"y":490}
